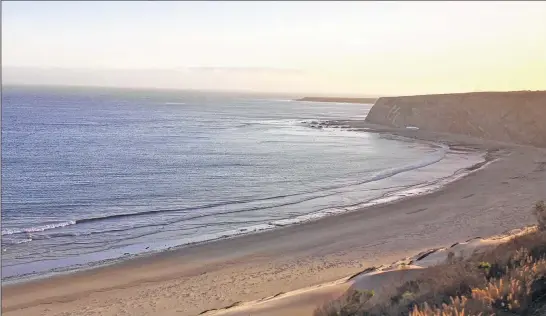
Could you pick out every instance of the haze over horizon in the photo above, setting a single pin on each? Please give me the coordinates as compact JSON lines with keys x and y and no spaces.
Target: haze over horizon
{"x":342,"y":48}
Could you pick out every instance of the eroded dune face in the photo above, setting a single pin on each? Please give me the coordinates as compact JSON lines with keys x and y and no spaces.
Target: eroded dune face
{"x":515,"y":117}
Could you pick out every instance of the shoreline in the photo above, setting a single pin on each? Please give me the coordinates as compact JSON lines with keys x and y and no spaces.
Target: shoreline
{"x":216,"y":274}
{"x":396,"y":196}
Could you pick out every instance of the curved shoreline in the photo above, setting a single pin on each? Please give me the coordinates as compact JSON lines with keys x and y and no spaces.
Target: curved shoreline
{"x":410,"y":191}
{"x":192,"y":279}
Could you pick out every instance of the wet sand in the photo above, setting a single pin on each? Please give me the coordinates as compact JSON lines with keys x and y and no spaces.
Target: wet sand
{"x":193,"y":279}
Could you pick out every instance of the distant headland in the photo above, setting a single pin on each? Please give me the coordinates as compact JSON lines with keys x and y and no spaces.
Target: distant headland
{"x":341,"y":100}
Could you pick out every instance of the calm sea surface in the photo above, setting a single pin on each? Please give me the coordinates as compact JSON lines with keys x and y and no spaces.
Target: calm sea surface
{"x":91,"y":175}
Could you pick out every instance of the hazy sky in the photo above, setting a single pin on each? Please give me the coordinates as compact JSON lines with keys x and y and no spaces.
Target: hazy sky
{"x":367,"y":48}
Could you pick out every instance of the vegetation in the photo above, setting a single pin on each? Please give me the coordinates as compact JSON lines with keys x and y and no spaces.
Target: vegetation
{"x":508,"y":280}
{"x":540,"y":214}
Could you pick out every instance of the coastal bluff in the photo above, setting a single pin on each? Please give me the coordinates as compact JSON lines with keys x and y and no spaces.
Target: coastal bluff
{"x":515,"y":117}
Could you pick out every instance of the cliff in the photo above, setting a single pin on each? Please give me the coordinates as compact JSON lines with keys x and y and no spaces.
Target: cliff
{"x":516,"y":117}
{"x":342,"y":100}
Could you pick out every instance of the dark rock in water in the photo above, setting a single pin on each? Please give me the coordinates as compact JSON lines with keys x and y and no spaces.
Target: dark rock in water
{"x":314,"y":122}
{"x":320,"y":126}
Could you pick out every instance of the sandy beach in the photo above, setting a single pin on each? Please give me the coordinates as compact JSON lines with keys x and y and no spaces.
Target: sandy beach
{"x":333,"y":158}
{"x":194,"y":279}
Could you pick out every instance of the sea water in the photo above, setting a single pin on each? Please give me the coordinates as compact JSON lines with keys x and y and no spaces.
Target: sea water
{"x":91,"y":175}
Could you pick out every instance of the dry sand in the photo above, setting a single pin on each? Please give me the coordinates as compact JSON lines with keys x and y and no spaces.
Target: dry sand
{"x":305,"y":301}
{"x":197,"y":278}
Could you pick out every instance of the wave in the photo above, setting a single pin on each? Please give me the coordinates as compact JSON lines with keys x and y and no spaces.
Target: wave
{"x":382,"y":174}
{"x":66,"y":124}
{"x":274,"y":123}
{"x":385,"y":173}
{"x":17,"y":241}
{"x":389,"y":197}
{"x":34,"y":229}
{"x":379,"y":175}
{"x":114,"y":216}
{"x":283,"y":122}
{"x":123,"y":215}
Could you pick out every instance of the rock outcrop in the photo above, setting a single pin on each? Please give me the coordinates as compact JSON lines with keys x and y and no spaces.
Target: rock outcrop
{"x":515,"y":117}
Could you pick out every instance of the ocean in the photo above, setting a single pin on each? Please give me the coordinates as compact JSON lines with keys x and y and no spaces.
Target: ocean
{"x":91,"y":175}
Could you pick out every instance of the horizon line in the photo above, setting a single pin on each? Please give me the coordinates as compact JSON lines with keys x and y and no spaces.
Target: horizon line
{"x":300,"y":95}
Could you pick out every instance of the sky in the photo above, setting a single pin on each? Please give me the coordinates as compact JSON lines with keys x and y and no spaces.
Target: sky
{"x":323,"y":48}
